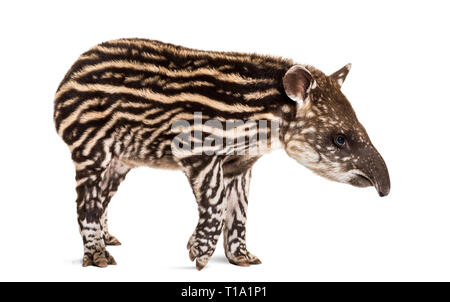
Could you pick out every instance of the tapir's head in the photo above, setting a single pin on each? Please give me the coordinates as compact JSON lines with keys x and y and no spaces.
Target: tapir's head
{"x":325,"y":135}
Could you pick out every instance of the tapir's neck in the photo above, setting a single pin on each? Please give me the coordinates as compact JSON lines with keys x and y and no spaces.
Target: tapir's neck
{"x":289,"y":122}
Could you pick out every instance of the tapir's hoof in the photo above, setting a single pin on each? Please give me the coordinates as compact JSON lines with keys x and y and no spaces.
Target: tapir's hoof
{"x":255,"y":261}
{"x":201,"y":262}
{"x":111,"y":240}
{"x":240,"y":261}
{"x":100,"y":259}
{"x":191,"y":256}
{"x":252,"y":259}
{"x":244,"y":260}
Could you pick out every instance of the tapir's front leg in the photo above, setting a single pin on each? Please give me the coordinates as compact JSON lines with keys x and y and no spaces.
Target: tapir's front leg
{"x":236,"y":194}
{"x":205,"y":173}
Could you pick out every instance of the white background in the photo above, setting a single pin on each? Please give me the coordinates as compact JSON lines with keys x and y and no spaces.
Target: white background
{"x":302,"y":227}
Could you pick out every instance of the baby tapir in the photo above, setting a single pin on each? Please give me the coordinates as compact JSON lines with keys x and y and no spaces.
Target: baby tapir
{"x":134,"y":102}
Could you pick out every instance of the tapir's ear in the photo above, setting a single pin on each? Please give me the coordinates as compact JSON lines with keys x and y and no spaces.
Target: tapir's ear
{"x":340,"y":75}
{"x":296,"y":82}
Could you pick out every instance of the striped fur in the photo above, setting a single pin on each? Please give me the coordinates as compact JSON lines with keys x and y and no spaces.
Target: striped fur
{"x":115,"y":109}
{"x":121,"y":106}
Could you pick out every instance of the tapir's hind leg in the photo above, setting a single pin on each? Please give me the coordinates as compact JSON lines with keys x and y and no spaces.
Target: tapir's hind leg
{"x":236,"y":194}
{"x":98,"y":176}
{"x":114,"y":175}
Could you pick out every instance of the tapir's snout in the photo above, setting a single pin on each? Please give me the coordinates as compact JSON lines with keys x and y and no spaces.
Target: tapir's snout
{"x":374,"y":168}
{"x":383,"y":187}
{"x":381,"y":181}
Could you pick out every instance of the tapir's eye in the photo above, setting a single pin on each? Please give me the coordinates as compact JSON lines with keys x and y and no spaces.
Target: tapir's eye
{"x":339,"y":140}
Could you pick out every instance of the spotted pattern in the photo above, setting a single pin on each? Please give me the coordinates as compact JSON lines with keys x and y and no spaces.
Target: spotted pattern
{"x":321,"y":116}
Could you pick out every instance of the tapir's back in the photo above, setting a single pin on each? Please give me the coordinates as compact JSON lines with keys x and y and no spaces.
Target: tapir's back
{"x":133,"y":90}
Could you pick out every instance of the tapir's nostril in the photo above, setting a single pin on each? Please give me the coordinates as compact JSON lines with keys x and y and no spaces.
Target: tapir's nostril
{"x":383,"y":193}
{"x":383,"y":189}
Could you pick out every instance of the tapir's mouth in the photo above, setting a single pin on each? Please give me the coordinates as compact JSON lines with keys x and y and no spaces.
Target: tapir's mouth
{"x":361,"y":181}
{"x":367,"y":180}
